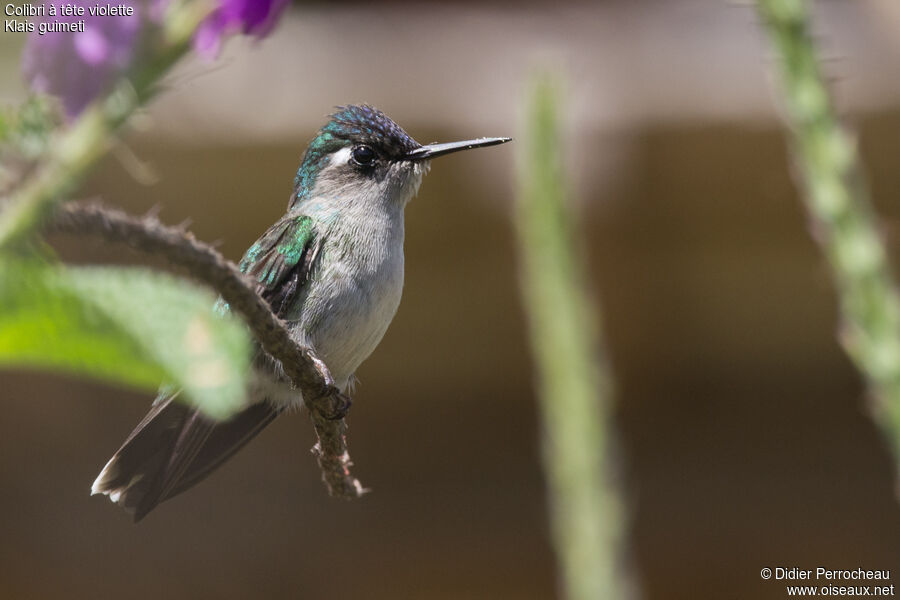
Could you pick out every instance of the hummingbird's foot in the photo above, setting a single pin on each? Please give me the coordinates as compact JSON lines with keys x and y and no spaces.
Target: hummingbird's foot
{"x":344,"y":402}
{"x":341,"y":401}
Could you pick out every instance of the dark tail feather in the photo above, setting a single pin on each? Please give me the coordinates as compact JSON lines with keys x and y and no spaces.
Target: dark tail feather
{"x":171,"y":449}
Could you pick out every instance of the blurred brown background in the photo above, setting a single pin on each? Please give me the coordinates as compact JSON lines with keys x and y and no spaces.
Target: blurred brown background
{"x":744,"y":436}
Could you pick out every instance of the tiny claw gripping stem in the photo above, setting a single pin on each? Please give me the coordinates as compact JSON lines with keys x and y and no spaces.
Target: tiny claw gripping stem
{"x":341,"y":406}
{"x":340,"y":403}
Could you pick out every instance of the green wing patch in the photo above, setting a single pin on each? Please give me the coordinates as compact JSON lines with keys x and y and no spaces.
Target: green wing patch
{"x":281,"y":260}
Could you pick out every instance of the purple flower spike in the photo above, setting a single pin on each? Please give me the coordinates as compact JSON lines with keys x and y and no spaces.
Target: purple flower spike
{"x":79,"y":66}
{"x":251,"y":17}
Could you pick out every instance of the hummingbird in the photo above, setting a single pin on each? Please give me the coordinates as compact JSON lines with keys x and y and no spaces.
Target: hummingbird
{"x":331,"y":268}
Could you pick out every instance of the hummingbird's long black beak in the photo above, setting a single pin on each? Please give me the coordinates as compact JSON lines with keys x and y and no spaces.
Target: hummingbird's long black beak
{"x":432,"y":150}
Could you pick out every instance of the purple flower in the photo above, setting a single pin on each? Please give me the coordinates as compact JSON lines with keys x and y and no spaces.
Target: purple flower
{"x":78,"y":66}
{"x":251,"y":17}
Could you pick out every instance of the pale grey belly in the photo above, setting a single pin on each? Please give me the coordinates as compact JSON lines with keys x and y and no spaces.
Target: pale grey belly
{"x":347,"y":311}
{"x":343,"y":319}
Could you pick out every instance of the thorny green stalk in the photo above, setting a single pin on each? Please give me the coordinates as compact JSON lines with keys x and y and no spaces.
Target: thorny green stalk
{"x":843,"y":221}
{"x":79,"y":147}
{"x":574,"y":383}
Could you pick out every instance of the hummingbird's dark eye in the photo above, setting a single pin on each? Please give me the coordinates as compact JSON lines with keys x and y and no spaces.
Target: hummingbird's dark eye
{"x":364,"y":156}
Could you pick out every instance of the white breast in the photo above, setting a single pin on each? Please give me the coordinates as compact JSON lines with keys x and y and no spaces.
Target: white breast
{"x":356,"y":290}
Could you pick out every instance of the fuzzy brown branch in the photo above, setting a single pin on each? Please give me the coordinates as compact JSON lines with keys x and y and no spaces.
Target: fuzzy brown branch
{"x":325,"y":403}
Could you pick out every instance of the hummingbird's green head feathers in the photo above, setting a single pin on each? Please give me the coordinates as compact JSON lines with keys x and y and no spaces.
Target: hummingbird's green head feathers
{"x":369,"y":134}
{"x":361,"y":152}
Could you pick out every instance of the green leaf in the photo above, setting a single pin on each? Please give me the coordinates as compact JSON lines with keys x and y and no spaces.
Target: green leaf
{"x":128,"y":325}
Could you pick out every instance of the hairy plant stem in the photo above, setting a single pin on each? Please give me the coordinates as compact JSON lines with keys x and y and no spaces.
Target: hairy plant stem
{"x":843,"y":222}
{"x":308,"y":374}
{"x":574,"y":385}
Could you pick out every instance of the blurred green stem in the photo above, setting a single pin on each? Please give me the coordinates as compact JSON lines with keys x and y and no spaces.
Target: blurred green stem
{"x":79,"y":147}
{"x":574,"y":384}
{"x":838,"y":204}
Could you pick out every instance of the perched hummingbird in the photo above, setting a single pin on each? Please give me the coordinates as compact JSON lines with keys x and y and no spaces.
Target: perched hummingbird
{"x":331,"y":267}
